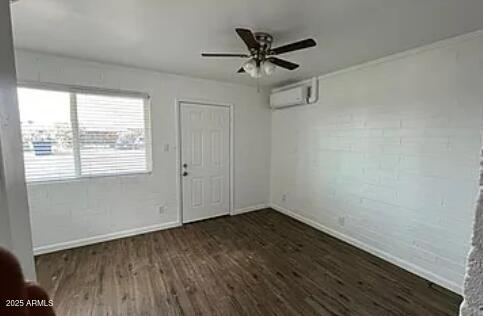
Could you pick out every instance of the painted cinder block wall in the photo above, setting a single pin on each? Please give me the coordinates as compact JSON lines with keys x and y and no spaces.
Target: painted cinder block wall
{"x":388,"y":158}
{"x":473,"y":290}
{"x":70,"y":213}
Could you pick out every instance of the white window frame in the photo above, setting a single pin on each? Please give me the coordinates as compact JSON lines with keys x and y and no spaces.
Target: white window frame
{"x":73,"y":90}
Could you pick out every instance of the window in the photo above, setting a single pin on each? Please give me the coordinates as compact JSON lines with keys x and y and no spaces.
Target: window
{"x":78,"y":134}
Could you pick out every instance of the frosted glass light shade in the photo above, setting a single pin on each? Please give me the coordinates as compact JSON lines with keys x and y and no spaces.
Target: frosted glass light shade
{"x":256,"y":72}
{"x":249,"y":66}
{"x":268,"y":67}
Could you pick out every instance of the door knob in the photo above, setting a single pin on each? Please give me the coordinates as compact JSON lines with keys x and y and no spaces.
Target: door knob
{"x":185,"y":165}
{"x":185,"y":174}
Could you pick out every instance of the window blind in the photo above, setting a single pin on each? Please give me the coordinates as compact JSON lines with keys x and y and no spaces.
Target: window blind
{"x":72,"y":135}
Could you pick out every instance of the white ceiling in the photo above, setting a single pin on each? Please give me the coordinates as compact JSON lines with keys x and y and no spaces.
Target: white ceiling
{"x":169,"y":35}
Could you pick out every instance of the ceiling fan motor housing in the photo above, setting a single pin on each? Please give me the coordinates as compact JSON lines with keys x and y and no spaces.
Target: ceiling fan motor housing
{"x":264,"y":39}
{"x":265,"y":43}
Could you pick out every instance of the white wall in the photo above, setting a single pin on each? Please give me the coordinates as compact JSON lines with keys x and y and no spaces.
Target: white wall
{"x":473,"y":289}
{"x":388,"y":158}
{"x":66,"y":214}
{"x":14,"y":213}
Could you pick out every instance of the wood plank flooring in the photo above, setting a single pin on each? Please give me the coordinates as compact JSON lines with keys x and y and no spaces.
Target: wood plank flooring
{"x":260,"y":263}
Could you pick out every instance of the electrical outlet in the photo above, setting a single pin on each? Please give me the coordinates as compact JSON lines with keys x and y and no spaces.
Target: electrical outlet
{"x":341,"y":220}
{"x":284,"y":197}
{"x":162,"y":209}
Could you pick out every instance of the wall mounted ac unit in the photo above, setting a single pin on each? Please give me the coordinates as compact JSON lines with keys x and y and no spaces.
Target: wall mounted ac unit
{"x":289,"y":97}
{"x":299,"y":94}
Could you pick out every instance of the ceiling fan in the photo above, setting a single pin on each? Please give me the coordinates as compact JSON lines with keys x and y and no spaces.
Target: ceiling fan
{"x":261,"y":55}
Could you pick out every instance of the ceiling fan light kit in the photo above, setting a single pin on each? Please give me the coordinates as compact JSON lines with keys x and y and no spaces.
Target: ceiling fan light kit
{"x":266,"y":68}
{"x":261,"y":55}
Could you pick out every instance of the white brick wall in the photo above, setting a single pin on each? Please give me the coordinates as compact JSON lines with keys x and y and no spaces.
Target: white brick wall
{"x":389,"y":156}
{"x":66,"y":214}
{"x":473,"y":289}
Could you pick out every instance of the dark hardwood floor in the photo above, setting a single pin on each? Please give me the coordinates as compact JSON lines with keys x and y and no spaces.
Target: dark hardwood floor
{"x":260,"y":263}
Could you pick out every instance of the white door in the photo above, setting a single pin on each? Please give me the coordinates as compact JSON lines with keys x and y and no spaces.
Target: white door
{"x":205,"y":161}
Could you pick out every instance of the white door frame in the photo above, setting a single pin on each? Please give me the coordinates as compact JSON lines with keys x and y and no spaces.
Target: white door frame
{"x":179,"y":184}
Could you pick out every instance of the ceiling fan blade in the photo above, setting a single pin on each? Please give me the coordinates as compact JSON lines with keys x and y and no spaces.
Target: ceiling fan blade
{"x":224,"y":55}
{"x":283,"y":63}
{"x":248,"y":37}
{"x":241,"y":70}
{"x":294,"y":46}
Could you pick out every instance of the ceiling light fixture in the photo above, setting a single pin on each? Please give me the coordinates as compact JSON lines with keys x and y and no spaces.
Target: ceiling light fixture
{"x":257,"y":71}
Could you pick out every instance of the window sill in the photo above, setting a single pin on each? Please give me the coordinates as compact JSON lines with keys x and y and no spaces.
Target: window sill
{"x":88,"y":178}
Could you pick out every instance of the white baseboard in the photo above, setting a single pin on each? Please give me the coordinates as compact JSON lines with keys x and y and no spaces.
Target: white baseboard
{"x":249,"y":209}
{"x":428,"y":275}
{"x":101,"y":238}
{"x":125,"y":233}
